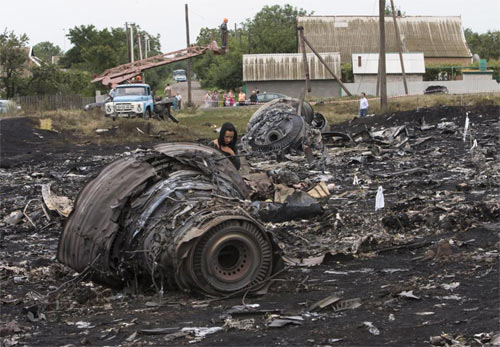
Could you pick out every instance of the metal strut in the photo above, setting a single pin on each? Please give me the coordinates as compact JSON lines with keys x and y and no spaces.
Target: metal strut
{"x":116,"y":75}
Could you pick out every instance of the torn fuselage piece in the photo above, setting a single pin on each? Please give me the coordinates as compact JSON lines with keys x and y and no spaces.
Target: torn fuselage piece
{"x":168,"y":217}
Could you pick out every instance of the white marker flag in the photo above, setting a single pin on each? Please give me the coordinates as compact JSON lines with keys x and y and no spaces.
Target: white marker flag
{"x":466,"y":126}
{"x":379,"y":199}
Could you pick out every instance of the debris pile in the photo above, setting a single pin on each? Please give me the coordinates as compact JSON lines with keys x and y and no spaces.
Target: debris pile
{"x":401,"y":178}
{"x":421,"y":268}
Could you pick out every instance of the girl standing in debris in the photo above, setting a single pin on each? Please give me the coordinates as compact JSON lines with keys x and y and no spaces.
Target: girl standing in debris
{"x":226,"y":143}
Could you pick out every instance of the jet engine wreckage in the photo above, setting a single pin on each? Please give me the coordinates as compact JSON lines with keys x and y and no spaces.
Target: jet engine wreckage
{"x":279,"y":127}
{"x":169,"y":217}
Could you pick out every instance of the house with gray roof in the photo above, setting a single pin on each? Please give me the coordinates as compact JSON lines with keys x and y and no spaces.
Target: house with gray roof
{"x":440,"y":39}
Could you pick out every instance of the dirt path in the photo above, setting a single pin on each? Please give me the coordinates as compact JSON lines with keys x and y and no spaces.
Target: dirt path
{"x":197,"y":93}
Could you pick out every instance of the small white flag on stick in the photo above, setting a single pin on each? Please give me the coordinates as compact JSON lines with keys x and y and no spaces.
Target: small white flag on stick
{"x":466,"y":128}
{"x":379,"y":199}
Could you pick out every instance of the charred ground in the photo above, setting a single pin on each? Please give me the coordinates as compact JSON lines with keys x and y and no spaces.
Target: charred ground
{"x":424,"y":266}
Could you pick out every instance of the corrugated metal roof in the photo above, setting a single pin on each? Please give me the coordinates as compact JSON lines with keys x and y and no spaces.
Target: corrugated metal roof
{"x":436,"y":37}
{"x":288,"y":66}
{"x":368,"y":64}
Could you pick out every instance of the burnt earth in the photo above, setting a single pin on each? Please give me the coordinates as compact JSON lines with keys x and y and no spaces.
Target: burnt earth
{"x":425,"y":267}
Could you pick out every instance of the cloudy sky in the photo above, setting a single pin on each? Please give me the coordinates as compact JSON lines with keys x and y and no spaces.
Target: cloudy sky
{"x":49,"y":20}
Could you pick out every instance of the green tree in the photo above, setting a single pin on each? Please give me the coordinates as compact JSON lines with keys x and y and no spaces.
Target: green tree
{"x":44,"y":80}
{"x":99,"y":58}
{"x":397,"y":9}
{"x":274,"y":29}
{"x":226,"y":72}
{"x":76,"y":82}
{"x":487,"y":45}
{"x":13,"y":58}
{"x":46,"y":50}
{"x":95,"y":50}
{"x":49,"y":79}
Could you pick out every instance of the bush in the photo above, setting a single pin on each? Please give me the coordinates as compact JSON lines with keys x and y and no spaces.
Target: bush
{"x":347,"y":74}
{"x":432,"y":72}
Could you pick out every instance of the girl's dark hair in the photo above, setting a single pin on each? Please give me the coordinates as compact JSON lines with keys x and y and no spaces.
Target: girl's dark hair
{"x":225,"y":127}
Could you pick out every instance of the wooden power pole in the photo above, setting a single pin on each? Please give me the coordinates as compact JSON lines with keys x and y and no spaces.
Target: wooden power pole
{"x":188,"y":69}
{"x":132,"y":42}
{"x":382,"y":70}
{"x":127,"y":33}
{"x":139,"y":45}
{"x":400,"y":47}
{"x":305,"y":63}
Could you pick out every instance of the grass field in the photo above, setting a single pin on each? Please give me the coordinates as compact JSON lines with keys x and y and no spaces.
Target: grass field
{"x":79,"y":126}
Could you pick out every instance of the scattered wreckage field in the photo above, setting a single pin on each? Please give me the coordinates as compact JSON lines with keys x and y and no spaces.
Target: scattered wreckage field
{"x":422,"y":270}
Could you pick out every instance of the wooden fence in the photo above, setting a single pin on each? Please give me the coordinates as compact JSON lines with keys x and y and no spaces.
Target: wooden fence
{"x":53,"y":102}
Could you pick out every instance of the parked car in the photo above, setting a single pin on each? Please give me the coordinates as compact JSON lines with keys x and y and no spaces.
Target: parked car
{"x":436,"y":90}
{"x":9,"y":106}
{"x":95,"y":105}
{"x":265,"y":97}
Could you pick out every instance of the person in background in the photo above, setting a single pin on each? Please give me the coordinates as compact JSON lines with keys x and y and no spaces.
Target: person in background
{"x":168,"y":91}
{"x":224,"y":99}
{"x":223,"y":29}
{"x":241,"y":98}
{"x":178,"y":97}
{"x":175,"y":103}
{"x":231,"y":98}
{"x":363,"y":106}
{"x":226,"y":143}
{"x":253,"y":96}
{"x":215,"y":98}
{"x":208,"y":99}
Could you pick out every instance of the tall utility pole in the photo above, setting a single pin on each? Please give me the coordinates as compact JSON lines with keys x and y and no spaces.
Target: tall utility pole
{"x":378,"y":77}
{"x":383,"y":77}
{"x":305,"y":63}
{"x":127,"y":34}
{"x":400,"y":47}
{"x":188,"y":69}
{"x":139,"y":44}
{"x":132,"y":43}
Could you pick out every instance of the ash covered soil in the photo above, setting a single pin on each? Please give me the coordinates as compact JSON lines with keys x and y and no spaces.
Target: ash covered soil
{"x":423,"y":270}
